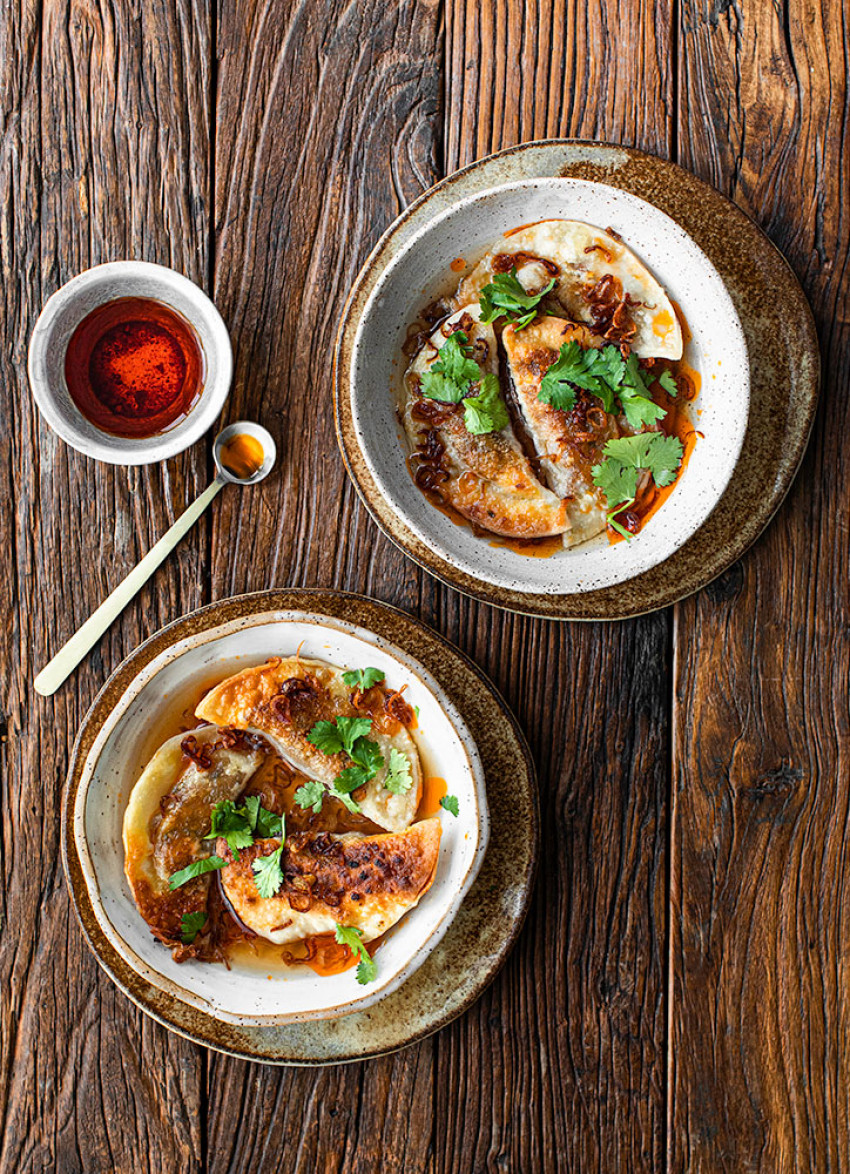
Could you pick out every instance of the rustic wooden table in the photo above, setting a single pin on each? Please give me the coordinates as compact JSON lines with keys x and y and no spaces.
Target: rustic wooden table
{"x":678,"y":998}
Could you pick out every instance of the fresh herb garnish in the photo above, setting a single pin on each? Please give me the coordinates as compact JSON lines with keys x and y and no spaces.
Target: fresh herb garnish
{"x":348,"y":734}
{"x":450,"y":804}
{"x":341,"y":734}
{"x":505,"y":296}
{"x":486,"y":412}
{"x":350,"y":936}
{"x":451,"y":379}
{"x":668,"y":381}
{"x":268,"y":874}
{"x":449,"y":376}
{"x":233,"y":824}
{"x":240,"y":826}
{"x":191,"y":925}
{"x":345,"y":799}
{"x":196,"y":868}
{"x":310,"y":794}
{"x":605,"y":374}
{"x":398,"y":779}
{"x":363,"y":679}
{"x":617,"y":475}
{"x":611,"y":519}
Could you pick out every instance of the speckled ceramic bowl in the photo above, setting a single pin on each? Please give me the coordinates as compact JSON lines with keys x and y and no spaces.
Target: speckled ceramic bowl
{"x":418,"y":274}
{"x":167,"y":685}
{"x":713,"y":260}
{"x":481,"y":932}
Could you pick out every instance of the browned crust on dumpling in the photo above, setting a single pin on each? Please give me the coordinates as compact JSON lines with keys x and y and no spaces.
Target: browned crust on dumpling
{"x":348,"y":879}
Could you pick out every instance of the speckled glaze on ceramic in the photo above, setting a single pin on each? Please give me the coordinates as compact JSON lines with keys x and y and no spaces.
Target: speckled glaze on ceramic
{"x":453,"y":969}
{"x":717,"y":351}
{"x":778,"y":330}
{"x":170,"y":683}
{"x":62,"y":314}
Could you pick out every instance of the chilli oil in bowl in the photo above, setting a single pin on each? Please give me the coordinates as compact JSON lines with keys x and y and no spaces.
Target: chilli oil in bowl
{"x":134,"y":367}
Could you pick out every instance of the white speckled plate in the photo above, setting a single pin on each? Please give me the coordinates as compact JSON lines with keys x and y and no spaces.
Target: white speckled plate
{"x":417,"y":275}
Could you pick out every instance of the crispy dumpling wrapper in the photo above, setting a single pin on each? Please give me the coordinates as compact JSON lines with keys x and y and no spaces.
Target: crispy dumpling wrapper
{"x":284,"y":698}
{"x":584,"y":256}
{"x":569,"y":443}
{"x":169,"y":814}
{"x":368,"y":882}
{"x":488,"y":478}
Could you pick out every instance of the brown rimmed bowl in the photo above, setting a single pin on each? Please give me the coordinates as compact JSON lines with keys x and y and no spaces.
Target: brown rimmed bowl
{"x":783,"y":358}
{"x":484,"y":926}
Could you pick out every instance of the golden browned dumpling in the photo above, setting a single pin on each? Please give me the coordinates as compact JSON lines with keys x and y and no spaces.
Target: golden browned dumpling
{"x":285,"y":698}
{"x":486,"y":478}
{"x":569,"y":443}
{"x":582,"y":258}
{"x":168,"y":816}
{"x":367,"y":882}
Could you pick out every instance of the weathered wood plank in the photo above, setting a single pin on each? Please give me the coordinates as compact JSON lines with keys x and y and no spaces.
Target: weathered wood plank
{"x":104,"y":155}
{"x":326,"y":127}
{"x":760,"y":889}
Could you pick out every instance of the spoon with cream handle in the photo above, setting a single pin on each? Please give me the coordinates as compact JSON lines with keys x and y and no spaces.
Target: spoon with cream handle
{"x":244,"y":454}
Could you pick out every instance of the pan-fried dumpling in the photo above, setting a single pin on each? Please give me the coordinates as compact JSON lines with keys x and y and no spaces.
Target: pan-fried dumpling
{"x":593,"y":272}
{"x":285,"y":698}
{"x":169,"y":814}
{"x":486,"y":478}
{"x":569,"y":443}
{"x":367,"y":882}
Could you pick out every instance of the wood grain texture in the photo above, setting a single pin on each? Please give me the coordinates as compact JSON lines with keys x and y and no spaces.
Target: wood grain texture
{"x":104,"y":155}
{"x":760,"y":887}
{"x":261,"y":147}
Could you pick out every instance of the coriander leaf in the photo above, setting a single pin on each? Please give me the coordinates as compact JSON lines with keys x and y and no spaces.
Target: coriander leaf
{"x":639,"y":410}
{"x":191,"y":925}
{"x":252,"y":810}
{"x":506,"y":296}
{"x":268,"y":874}
{"x":350,"y":936}
{"x":617,"y":475}
{"x":196,"y":868}
{"x":351,"y":778}
{"x":310,"y":795}
{"x":616,"y":480}
{"x":450,"y":803}
{"x":398,"y":779}
{"x":596,"y":371}
{"x":611,"y":519}
{"x":345,"y":799}
{"x":368,"y":755}
{"x":362,"y":679}
{"x":633,"y":376}
{"x":325,"y":736}
{"x":367,"y":969}
{"x":448,"y":377}
{"x":232,"y":823}
{"x":668,"y":382}
{"x":269,"y":826}
{"x":486,"y":412}
{"x":351,"y":730}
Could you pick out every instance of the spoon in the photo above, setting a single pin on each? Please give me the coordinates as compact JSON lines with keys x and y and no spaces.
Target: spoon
{"x":229,"y":463}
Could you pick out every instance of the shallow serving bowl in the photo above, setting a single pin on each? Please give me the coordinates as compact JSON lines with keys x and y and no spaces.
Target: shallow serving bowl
{"x":421,"y":272}
{"x":62,"y":314}
{"x":127,"y":739}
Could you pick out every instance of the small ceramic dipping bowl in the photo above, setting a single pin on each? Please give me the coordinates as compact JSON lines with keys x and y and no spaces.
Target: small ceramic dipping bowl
{"x":61,"y":316}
